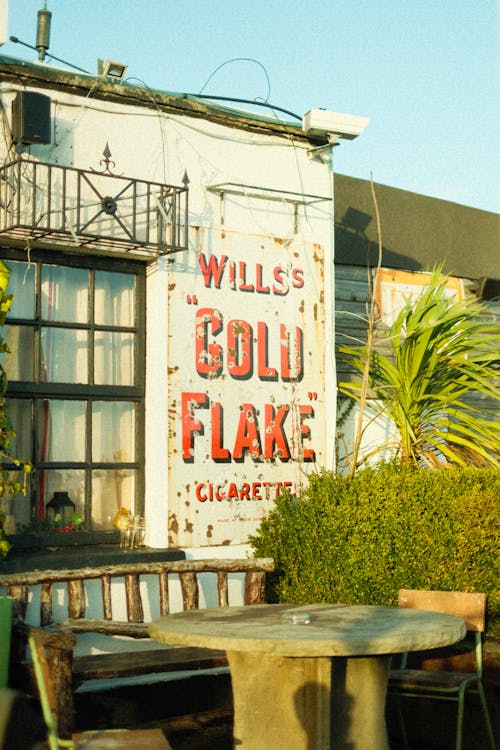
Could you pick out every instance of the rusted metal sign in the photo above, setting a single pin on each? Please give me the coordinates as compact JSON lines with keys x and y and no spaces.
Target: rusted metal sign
{"x":246,"y":359}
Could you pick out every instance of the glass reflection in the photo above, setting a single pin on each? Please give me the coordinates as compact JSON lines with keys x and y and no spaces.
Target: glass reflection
{"x":22,"y":286}
{"x":113,"y":358}
{"x":112,"y":489}
{"x":114,"y":299}
{"x":113,"y":431}
{"x":61,"y":430}
{"x":65,"y":294}
{"x":63,"y":356}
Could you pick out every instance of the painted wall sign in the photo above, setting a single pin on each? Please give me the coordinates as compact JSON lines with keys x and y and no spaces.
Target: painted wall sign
{"x":396,"y":288}
{"x":246,"y":382}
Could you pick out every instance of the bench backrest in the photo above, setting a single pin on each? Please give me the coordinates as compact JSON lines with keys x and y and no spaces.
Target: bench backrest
{"x":19,"y":585}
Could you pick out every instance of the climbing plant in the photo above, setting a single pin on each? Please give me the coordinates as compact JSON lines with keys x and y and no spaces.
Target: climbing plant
{"x":9,"y":479}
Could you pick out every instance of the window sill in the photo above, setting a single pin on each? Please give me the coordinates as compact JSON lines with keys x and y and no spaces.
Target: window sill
{"x":76,"y":550}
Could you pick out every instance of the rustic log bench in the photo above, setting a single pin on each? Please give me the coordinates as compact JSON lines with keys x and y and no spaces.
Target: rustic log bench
{"x":157,"y":579}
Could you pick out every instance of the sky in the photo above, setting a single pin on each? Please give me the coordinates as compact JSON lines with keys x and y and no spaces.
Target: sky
{"x":426,"y":72}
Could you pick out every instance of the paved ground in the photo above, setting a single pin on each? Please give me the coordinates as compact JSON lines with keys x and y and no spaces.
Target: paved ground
{"x":196,"y":715}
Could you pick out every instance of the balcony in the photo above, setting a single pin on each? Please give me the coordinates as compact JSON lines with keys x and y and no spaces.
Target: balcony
{"x":86,"y":209}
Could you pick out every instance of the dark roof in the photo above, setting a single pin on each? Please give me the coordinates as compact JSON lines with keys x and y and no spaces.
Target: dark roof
{"x":418,"y":232}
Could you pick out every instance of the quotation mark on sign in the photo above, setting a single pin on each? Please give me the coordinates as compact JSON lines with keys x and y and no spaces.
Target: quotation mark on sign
{"x":192,"y":299}
{"x":312,"y":396}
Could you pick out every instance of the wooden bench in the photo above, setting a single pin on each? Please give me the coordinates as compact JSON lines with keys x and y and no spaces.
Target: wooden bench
{"x":158,"y":579}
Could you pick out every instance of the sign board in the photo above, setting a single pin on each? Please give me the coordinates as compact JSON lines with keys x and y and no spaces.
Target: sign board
{"x":396,"y":288}
{"x":246,"y":353}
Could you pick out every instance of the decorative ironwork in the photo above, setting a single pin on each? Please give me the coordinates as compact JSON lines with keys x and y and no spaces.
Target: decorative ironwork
{"x":95,"y":210}
{"x":106,"y":161}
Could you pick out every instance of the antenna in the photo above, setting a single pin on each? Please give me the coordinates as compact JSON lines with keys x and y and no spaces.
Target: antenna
{"x":42,"y":37}
{"x":43,"y":32}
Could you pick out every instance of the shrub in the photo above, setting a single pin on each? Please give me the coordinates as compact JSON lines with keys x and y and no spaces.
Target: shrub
{"x":360,"y":540}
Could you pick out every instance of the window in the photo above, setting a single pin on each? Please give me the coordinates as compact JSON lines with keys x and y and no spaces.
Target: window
{"x":76,"y":383}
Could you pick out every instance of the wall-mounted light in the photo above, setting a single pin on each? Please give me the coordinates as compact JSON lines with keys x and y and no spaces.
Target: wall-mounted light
{"x":322,"y":122}
{"x":111,"y":69}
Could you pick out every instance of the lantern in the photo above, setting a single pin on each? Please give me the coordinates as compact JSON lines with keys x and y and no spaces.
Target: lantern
{"x":61,"y":505}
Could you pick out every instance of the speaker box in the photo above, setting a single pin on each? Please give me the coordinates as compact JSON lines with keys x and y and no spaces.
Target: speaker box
{"x":31,"y":118}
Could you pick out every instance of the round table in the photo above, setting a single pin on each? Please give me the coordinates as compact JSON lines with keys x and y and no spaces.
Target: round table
{"x":309,"y":677}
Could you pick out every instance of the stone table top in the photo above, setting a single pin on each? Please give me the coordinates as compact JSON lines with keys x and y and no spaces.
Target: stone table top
{"x":331,"y":630}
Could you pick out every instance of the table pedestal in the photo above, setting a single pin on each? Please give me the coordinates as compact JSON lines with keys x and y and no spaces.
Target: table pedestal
{"x":295,"y":703}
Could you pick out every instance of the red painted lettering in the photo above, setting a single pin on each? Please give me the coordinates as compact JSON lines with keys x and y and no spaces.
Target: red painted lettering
{"x":281,"y":279}
{"x":245,"y":491}
{"x":232,"y":492}
{"x":259,"y":285}
{"x":306,"y":412}
{"x":213,"y":270}
{"x":256,"y":490}
{"x":243,"y":286}
{"x":297,"y":278}
{"x":208,"y":357}
{"x":239,"y":349}
{"x":275,"y":442}
{"x":247,"y":434}
{"x":263,"y":370}
{"x":191,"y":426}
{"x":219,"y":453}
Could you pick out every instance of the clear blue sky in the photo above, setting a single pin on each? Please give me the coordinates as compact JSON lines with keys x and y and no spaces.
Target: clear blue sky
{"x":425,"y":71}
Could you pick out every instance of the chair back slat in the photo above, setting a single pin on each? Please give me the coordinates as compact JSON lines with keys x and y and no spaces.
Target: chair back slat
{"x":135,"y":612}
{"x":107,"y":610}
{"x":471,"y":607}
{"x":20,"y":594}
{"x":190,"y":590}
{"x":163,"y":591}
{"x":255,"y":582}
{"x":46,"y":603}
{"x":76,"y":599}
{"x":222,"y":589}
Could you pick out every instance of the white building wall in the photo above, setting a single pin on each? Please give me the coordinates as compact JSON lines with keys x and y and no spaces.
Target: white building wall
{"x":250,"y":227}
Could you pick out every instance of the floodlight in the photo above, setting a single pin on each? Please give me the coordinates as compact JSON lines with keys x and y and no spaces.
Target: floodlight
{"x":111,"y":69}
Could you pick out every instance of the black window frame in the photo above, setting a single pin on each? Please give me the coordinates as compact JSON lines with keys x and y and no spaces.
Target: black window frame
{"x":37,"y":391}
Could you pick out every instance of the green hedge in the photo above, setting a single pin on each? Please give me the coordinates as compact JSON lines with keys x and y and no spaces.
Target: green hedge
{"x":360,"y":540}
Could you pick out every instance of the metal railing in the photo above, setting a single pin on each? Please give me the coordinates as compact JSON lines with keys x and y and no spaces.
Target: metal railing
{"x":98,"y":210}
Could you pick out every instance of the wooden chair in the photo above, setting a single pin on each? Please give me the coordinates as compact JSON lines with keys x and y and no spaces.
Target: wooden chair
{"x":119,"y":739}
{"x":444,"y":685}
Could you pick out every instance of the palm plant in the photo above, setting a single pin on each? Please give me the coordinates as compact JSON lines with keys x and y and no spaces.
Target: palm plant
{"x":440,"y":351}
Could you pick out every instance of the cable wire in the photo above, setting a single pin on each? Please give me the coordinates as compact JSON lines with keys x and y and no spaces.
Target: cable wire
{"x":239,"y":59}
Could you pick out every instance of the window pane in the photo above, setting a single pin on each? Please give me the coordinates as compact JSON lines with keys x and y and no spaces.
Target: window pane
{"x":114,"y":358}
{"x":71,"y":481}
{"x":19,"y":412}
{"x":65,"y":294}
{"x":22,"y":286}
{"x":18,"y":362}
{"x":61,"y":430}
{"x":114,"y":299}
{"x":63,"y":356}
{"x":111,"y":490}
{"x":113,"y":432}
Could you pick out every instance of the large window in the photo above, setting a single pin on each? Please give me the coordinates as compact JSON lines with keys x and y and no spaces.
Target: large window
{"x":76,"y":383}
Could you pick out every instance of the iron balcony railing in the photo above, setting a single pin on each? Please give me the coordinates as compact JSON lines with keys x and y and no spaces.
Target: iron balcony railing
{"x":98,"y":210}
